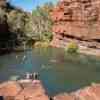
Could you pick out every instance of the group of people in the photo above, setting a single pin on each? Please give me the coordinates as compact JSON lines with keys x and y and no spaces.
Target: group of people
{"x":32,"y":76}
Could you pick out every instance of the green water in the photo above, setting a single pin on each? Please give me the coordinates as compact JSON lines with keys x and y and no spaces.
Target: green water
{"x":58,"y":71}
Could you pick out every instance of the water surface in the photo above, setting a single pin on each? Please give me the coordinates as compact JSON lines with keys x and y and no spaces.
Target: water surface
{"x":58,"y":71}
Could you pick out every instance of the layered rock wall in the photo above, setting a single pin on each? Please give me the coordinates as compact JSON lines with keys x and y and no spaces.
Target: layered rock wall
{"x":76,"y":20}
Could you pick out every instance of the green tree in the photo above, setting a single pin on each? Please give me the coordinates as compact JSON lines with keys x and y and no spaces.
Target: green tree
{"x":42,"y":23}
{"x":17,"y":21}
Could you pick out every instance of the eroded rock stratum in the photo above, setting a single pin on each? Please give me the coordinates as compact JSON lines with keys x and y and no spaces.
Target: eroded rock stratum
{"x":76,"y":20}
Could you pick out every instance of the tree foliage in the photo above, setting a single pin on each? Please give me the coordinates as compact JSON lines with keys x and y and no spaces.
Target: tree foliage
{"x":42,"y":23}
{"x":2,"y":16}
{"x":24,"y":26}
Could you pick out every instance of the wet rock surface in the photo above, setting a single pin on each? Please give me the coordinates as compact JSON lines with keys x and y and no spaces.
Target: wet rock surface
{"x":76,"y":20}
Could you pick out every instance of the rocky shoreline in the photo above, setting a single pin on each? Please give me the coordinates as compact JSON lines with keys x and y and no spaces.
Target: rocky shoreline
{"x":82,"y":49}
{"x":34,"y":90}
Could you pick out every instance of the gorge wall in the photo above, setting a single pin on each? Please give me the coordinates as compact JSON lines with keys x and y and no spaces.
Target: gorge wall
{"x":78,"y":21}
{"x":12,"y":26}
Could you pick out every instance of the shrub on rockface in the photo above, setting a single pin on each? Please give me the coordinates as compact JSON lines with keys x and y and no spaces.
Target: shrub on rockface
{"x":72,"y":47}
{"x":41,"y":44}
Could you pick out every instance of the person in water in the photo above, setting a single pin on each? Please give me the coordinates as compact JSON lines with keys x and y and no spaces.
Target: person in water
{"x":35,"y":76}
{"x":28,"y":76}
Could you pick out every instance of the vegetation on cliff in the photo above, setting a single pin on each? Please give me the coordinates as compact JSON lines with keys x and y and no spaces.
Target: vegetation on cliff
{"x":12,"y":21}
{"x":72,"y":47}
{"x":42,"y":24}
{"x":18,"y":27}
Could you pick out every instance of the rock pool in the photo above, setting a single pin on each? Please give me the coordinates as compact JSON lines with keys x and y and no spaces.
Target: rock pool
{"x":58,"y":71}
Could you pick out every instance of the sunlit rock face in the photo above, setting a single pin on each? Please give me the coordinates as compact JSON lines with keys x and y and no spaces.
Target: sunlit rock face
{"x":77,"y":20}
{"x":23,"y":90}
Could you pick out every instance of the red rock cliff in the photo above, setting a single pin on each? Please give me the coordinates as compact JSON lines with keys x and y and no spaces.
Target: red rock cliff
{"x":77,"y":20}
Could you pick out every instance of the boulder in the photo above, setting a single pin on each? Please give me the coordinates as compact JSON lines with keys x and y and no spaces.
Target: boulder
{"x":23,"y":90}
{"x":33,"y":91}
{"x":10,"y":88}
